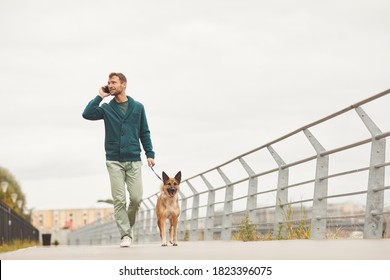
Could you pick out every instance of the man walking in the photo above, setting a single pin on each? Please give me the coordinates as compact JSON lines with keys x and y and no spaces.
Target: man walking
{"x":125,"y":127}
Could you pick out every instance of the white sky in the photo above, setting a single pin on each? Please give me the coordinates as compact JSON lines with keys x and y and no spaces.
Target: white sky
{"x":217,"y":78}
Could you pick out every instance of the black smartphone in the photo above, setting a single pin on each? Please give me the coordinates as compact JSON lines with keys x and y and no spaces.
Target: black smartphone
{"x":106,"y":89}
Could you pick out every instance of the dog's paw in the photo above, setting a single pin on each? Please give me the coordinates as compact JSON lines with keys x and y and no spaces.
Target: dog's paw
{"x":174,"y":244}
{"x":164,"y":244}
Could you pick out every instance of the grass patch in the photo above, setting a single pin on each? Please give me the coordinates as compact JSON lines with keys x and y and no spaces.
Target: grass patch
{"x":294,"y":229}
{"x":16,"y":245}
{"x":248,"y":232}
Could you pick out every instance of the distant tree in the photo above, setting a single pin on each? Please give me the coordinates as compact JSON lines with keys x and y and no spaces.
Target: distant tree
{"x":109,"y":201}
{"x":13,"y":187}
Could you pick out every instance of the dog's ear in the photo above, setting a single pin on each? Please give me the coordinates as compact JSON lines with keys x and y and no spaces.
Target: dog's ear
{"x":178,"y":177}
{"x":165,"y":177}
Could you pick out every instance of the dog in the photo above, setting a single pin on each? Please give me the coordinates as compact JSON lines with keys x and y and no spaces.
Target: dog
{"x":167,"y":207}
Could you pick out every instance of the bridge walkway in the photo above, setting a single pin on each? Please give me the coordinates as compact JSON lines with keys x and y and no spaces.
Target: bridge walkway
{"x":338,"y":249}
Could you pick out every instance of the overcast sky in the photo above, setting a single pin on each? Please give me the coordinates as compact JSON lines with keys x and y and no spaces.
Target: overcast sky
{"x":217,"y":78}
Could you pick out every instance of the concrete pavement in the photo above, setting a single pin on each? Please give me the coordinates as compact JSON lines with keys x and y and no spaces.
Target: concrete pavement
{"x":339,"y":249}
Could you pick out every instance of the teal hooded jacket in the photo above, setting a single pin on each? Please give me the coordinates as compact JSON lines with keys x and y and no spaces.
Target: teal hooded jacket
{"x":124,"y":133}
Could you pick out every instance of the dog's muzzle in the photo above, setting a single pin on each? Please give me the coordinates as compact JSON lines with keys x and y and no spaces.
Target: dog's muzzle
{"x":172,"y":191}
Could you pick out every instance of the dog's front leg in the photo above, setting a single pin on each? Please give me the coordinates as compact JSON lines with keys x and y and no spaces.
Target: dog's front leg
{"x":161,"y":225}
{"x":170,"y":231}
{"x":174,"y":229}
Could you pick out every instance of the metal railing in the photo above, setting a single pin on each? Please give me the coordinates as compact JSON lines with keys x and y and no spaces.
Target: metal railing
{"x":103,"y":231}
{"x":264,"y":184}
{"x":14,"y":227}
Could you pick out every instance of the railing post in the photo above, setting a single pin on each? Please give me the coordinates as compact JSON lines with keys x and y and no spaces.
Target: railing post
{"x":209,"y":224}
{"x":228,"y":207}
{"x":320,"y":205}
{"x":251,"y":202}
{"x":151,"y":222}
{"x":195,"y":213}
{"x":183,"y":218}
{"x":146,"y":226}
{"x":281,"y":196}
{"x":155,"y":235}
{"x":373,"y":225}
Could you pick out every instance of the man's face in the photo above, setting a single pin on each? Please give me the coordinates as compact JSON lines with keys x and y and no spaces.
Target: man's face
{"x":115,"y":86}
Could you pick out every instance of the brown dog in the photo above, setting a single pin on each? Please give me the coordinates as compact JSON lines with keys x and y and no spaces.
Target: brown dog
{"x":168,"y":208}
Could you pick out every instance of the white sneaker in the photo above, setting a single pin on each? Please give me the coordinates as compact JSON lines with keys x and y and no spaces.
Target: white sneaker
{"x":126,"y":241}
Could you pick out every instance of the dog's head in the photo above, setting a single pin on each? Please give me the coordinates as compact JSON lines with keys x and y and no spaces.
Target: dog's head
{"x":171,"y":186}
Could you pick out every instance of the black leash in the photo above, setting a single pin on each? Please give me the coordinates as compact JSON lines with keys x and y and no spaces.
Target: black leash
{"x":156,"y":173}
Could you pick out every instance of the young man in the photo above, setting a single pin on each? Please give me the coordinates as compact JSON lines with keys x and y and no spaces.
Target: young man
{"x":125,"y":127}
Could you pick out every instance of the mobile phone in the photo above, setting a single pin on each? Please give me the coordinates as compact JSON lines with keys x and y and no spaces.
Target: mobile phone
{"x":106,"y":89}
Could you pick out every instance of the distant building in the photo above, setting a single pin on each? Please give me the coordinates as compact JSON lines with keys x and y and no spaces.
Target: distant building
{"x":59,"y":222}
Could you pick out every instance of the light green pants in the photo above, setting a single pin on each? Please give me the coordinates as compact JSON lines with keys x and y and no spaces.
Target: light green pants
{"x":129,"y":174}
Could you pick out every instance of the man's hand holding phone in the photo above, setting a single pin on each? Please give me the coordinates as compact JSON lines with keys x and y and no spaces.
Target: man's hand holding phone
{"x":104,"y":91}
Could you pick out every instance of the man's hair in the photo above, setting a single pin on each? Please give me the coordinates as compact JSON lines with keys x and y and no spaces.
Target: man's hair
{"x":121,"y":77}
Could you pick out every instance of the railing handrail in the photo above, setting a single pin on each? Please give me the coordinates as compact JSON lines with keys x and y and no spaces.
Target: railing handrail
{"x":351,"y":107}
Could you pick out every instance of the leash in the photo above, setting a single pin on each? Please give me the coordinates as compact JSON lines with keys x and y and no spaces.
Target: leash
{"x":156,"y":173}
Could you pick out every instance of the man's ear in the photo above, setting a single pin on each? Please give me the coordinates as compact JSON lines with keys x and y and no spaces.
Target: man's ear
{"x":165,"y":177}
{"x":178,"y":177}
